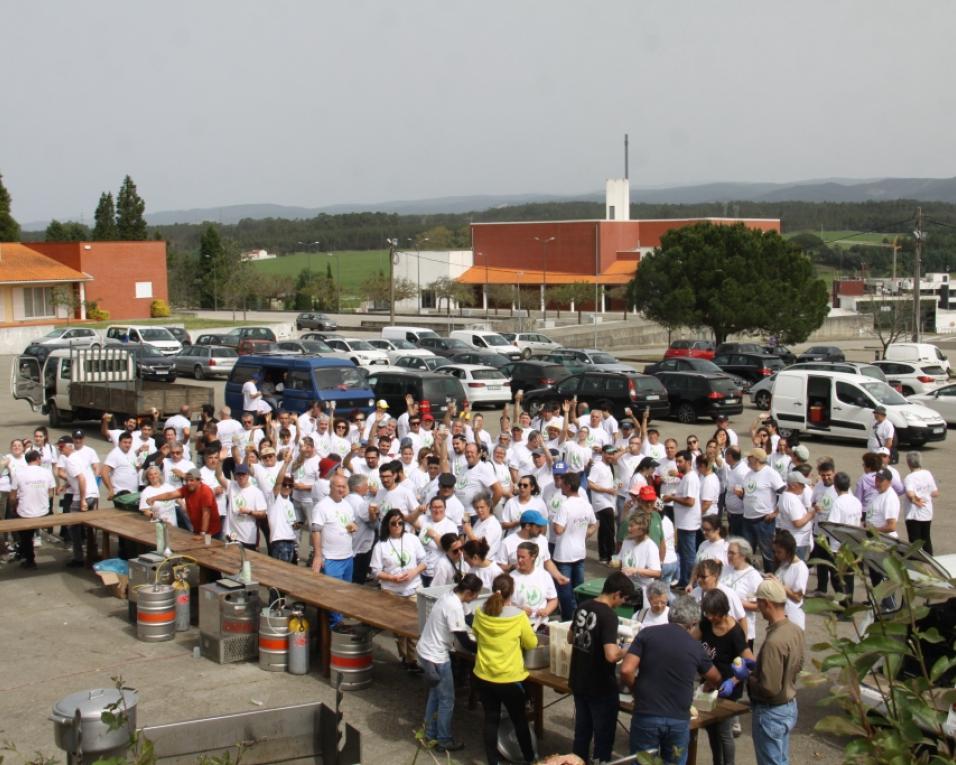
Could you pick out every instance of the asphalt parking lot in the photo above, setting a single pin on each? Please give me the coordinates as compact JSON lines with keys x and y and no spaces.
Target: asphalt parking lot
{"x":64,"y":633}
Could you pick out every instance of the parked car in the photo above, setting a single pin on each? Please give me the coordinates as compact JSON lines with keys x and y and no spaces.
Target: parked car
{"x":700,"y":394}
{"x":485,"y":340}
{"x":150,"y":363}
{"x":725,"y":348}
{"x":324,"y":336}
{"x":252,"y":345}
{"x":424,"y":363}
{"x":696,"y":349}
{"x":483,"y":385}
{"x":394,"y":384}
{"x":233,"y":336}
{"x":592,"y":359}
{"x":622,"y":389}
{"x":534,"y":374}
{"x":311,"y":348}
{"x":782,"y":352}
{"x":822,"y":353}
{"x":396,"y":347}
{"x":750,"y":366}
{"x":315,"y":321}
{"x":181,"y":335}
{"x":569,"y":362}
{"x":482,"y":358}
{"x":761,"y":391}
{"x":360,"y":352}
{"x":159,"y":337}
{"x":210,"y":338}
{"x":65,"y":337}
{"x":529,"y":342}
{"x":442,"y":346}
{"x":917,"y":353}
{"x":941,"y":399}
{"x":692,"y":365}
{"x":412,"y":334}
{"x":203,"y":361}
{"x":913,"y":377}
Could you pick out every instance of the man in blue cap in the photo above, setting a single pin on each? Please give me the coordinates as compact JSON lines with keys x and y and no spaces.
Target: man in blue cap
{"x":531,"y":526}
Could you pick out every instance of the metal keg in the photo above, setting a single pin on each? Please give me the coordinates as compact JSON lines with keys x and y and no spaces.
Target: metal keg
{"x":156,"y":613}
{"x":273,"y":639}
{"x":239,"y":614}
{"x":351,"y":656}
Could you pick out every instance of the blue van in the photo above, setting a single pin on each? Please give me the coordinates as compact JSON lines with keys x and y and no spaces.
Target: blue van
{"x":304,"y":379}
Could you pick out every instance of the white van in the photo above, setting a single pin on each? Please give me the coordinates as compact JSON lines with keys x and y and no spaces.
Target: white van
{"x":159,"y":338}
{"x":412,"y":334}
{"x":487,"y":341}
{"x":917,"y":353}
{"x":840,"y":404}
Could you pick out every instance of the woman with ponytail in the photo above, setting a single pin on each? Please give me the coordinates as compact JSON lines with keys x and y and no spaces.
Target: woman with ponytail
{"x":502,"y":632}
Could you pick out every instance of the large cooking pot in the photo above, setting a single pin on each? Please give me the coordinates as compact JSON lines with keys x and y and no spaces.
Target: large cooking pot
{"x":90,"y":733}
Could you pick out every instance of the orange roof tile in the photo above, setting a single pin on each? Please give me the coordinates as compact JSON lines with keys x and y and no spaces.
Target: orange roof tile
{"x":21,"y":264}
{"x":620,"y":272}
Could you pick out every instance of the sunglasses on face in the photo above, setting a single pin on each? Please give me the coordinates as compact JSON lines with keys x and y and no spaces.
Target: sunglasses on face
{"x":524,"y":485}
{"x":396,"y":523}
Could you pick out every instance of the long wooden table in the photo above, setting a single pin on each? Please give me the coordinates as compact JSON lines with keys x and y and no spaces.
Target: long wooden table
{"x":538,"y":679}
{"x":49,"y":521}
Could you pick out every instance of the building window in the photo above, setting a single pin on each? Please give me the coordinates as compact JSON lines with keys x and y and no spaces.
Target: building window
{"x":38,"y":302}
{"x":428,"y":298}
{"x":144,"y":289}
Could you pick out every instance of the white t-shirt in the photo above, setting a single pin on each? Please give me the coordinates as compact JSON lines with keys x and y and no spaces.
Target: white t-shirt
{"x":714,"y":551}
{"x":437,"y":639}
{"x":521,"y":460}
{"x":848,"y":511}
{"x":170,"y":477}
{"x":823,"y":497}
{"x":306,"y":474}
{"x":885,"y":506}
{"x":791,"y":508}
{"x":433,"y":548}
{"x":794,"y":576}
{"x":601,"y":475}
{"x":364,"y":538}
{"x":228,"y":432}
{"x":208,"y":477}
{"x":880,"y":433}
{"x":513,"y":509}
{"x":265,"y":478}
{"x":123,"y":473}
{"x":575,"y":515}
{"x":922,"y":484}
{"x":487,"y":573}
{"x":33,"y":485}
{"x":400,"y":498}
{"x":281,"y":519}
{"x":533,"y":590}
{"x":180,"y":423}
{"x":735,"y":476}
{"x":250,"y":396}
{"x":644,"y":554}
{"x":164,"y":510}
{"x":473,"y":480}
{"x":577,"y":456}
{"x":78,"y":464}
{"x":744,"y":583}
{"x":760,"y":488}
{"x":670,"y":540}
{"x":394,"y":556}
{"x":624,"y":469}
{"x":508,"y":550}
{"x":655,"y":451}
{"x":688,"y":518}
{"x":331,"y":518}
{"x":246,"y":500}
{"x":445,"y":571}
{"x":490,"y":529}
{"x":736,"y":607}
{"x":710,"y":490}
{"x":648,"y":618}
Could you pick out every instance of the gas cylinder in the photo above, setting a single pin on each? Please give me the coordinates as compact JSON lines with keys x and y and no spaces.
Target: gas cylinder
{"x":181,"y":588}
{"x":298,"y":641}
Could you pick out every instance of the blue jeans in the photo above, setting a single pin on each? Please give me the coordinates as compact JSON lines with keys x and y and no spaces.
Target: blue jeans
{"x":687,"y":553}
{"x":339,"y":569}
{"x":771,"y":732}
{"x":670,"y":572}
{"x":283,"y":549}
{"x":594,"y":717}
{"x":441,"y":700}
{"x":664,"y":736}
{"x":759,"y":533}
{"x":575,"y":572}
{"x":803,"y":552}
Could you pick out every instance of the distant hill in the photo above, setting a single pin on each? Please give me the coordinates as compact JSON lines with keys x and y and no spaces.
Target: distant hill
{"x":819,"y":190}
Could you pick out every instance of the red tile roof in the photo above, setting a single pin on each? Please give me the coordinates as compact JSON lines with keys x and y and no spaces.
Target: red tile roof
{"x":20,"y":264}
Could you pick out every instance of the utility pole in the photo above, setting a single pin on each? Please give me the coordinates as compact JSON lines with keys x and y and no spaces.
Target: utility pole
{"x":916,"y":273}
{"x":392,"y":244}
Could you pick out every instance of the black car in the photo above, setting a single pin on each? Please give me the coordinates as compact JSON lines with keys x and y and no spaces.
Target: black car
{"x":822,"y":353}
{"x":621,"y":389}
{"x":725,"y":348}
{"x":750,"y":366}
{"x":315,"y":321}
{"x":394,"y":384}
{"x":483,"y":358}
{"x":682,"y":364}
{"x":782,"y":352}
{"x":532,"y":374}
{"x":150,"y":364}
{"x":444,"y":346}
{"x":210,"y":338}
{"x":181,"y":335}
{"x":700,"y":394}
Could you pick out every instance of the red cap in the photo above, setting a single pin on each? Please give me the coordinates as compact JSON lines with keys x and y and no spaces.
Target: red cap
{"x":427,"y":417}
{"x":647,"y":494}
{"x":326,"y":465}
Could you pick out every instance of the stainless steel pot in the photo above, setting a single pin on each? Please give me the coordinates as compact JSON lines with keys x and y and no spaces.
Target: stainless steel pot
{"x":89,"y":733}
{"x":538,"y":657}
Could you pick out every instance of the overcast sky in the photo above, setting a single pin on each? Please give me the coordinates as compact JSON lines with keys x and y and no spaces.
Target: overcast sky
{"x":222,"y":102}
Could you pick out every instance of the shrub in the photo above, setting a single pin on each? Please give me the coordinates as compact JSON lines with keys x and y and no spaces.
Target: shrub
{"x":159,"y":309}
{"x":95,"y":313}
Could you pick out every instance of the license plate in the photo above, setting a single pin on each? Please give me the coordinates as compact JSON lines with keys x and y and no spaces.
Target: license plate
{"x":731,"y":401}
{"x":494,"y":387}
{"x":653,"y":397}
{"x":937,"y":430}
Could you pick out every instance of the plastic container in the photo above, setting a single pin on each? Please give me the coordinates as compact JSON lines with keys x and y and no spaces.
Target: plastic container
{"x":129,"y":502}
{"x":591,"y":588}
{"x":559,"y":648}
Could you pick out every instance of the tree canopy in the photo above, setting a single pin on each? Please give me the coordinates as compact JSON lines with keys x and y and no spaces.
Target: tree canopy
{"x":731,"y":279}
{"x":130,"y":223}
{"x":70,"y":231}
{"x":104,"y":219}
{"x":9,"y":228}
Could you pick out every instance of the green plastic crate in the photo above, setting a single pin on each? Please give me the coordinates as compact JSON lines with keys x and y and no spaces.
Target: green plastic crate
{"x":591,"y":588}
{"x":127,"y":502}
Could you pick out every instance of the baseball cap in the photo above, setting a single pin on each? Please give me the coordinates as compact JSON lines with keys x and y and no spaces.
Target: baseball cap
{"x":554,"y":452}
{"x":446,"y":479}
{"x":381,"y":404}
{"x":647,"y":462}
{"x":266,"y":450}
{"x":79,"y":434}
{"x":772,"y":591}
{"x":794,"y":477}
{"x":428,"y":418}
{"x":533,"y":516}
{"x":758,"y":454}
{"x":647,"y":494}
{"x":555,"y":422}
{"x":560,"y":468}
{"x":881,"y":450}
{"x":626,"y":425}
{"x":611,"y":449}
{"x":241,"y":470}
{"x":193,"y":473}
{"x":884,"y":474}
{"x":327,"y":465}
{"x":537,"y":452}
{"x":721,"y":418}
{"x":802,"y":452}
{"x":65,"y":440}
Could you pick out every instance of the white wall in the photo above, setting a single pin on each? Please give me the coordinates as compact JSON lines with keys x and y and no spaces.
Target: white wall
{"x":425,"y":267}
{"x":617,"y":194}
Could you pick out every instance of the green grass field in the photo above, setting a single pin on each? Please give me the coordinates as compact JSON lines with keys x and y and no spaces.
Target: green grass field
{"x":351,"y":267}
{"x":845,"y":238}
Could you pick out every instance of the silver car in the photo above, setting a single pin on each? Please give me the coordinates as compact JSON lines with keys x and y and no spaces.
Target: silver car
{"x":205,"y":361}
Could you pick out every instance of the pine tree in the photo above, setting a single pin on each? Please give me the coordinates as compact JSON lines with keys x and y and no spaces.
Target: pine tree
{"x":213,"y":270}
{"x":9,"y":228}
{"x":130,"y":223}
{"x":104,"y":229}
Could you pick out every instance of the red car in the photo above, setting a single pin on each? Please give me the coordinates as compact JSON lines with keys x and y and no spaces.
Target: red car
{"x":695,"y":349}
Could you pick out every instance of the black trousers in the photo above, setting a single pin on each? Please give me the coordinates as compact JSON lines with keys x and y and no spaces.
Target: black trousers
{"x":360,"y":566}
{"x":25,"y":539}
{"x":916,"y":530}
{"x":512,"y":695}
{"x":606,"y":530}
{"x":824,"y":573}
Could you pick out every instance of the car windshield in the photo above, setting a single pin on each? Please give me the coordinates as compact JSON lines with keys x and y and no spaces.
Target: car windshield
{"x":427,"y":333}
{"x":703,"y":365}
{"x":160,"y":333}
{"x":56,"y":332}
{"x":434,"y":363}
{"x":680,"y":344}
{"x":871,"y":371}
{"x":603,"y":358}
{"x":339,"y":378}
{"x":452,"y":342}
{"x":494,"y":340}
{"x":487,"y":374}
{"x":360,"y":345}
{"x":402,"y":345}
{"x":883,"y":393}
{"x":723,"y":385}
{"x":648,"y":385}
{"x":933,"y":370}
{"x":315,"y":346}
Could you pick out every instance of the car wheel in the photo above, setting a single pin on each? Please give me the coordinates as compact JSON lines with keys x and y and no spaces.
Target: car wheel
{"x":686,"y":414}
{"x":762,"y":400}
{"x":526,"y":353}
{"x":54,"y":414}
{"x":198,"y":372}
{"x":171,"y":378}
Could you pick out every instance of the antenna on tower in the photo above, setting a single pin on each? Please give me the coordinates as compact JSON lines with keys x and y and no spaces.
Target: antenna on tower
{"x":626,"y":162}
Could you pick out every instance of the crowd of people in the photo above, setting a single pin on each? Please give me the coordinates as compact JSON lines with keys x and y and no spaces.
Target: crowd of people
{"x":705,"y":534}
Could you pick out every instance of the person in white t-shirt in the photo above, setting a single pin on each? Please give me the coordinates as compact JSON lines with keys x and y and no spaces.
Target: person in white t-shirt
{"x":706,"y":577}
{"x":921,"y":490}
{"x":486,"y":526}
{"x":741,"y":577}
{"x":603,"y":490}
{"x":574,"y":524}
{"x":884,"y":511}
{"x":793,"y":574}
{"x":846,"y":510}
{"x":431,"y":528}
{"x":120,"y":474}
{"x":685,"y":498}
{"x":247,"y":505}
{"x":759,"y":494}
{"x":640,"y":556}
{"x":528,"y":497}
{"x":714,"y":545}
{"x":31,"y":489}
{"x":181,"y":423}
{"x":333,"y":524}
{"x":534,"y":591}
{"x":793,"y":515}
{"x":162,"y":510}
{"x":282,"y":520}
{"x":656,"y":607}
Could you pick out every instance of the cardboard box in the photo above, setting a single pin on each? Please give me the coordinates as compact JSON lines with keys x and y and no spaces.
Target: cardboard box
{"x":115,"y":583}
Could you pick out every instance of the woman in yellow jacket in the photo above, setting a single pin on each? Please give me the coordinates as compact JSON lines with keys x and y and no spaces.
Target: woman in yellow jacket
{"x":502,"y":631}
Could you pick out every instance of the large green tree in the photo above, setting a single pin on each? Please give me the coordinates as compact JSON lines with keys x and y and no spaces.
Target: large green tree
{"x":213,"y":268}
{"x":731,"y":279}
{"x":70,"y":231}
{"x":104,"y":219}
{"x":9,"y":228}
{"x":130,"y":223}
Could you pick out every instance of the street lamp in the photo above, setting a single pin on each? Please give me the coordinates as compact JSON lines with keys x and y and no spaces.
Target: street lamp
{"x":544,"y":287}
{"x":418,"y":258}
{"x":392,"y":244}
